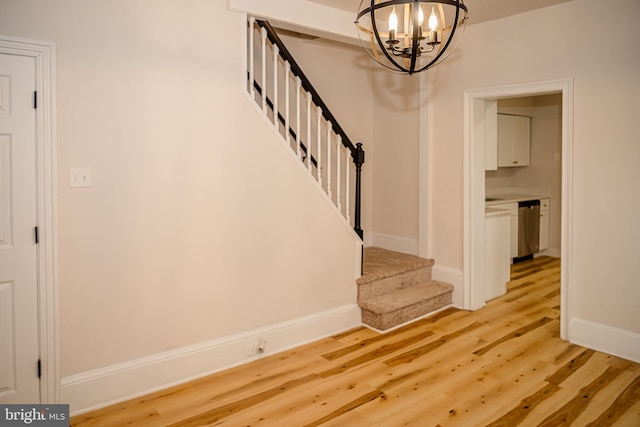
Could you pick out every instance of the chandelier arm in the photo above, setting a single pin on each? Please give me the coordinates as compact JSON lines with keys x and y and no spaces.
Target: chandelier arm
{"x":373,"y":54}
{"x":374,"y":27}
{"x":448,"y":42}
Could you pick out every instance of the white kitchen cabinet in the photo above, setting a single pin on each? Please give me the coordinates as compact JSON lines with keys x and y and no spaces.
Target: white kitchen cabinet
{"x":513,"y":222}
{"x":544,"y":224}
{"x":514,"y":140}
{"x":496,"y":252}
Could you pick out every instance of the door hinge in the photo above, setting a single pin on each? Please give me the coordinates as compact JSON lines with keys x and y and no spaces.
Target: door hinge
{"x":35,"y":99}
{"x":39,"y":369}
{"x":36,"y":234}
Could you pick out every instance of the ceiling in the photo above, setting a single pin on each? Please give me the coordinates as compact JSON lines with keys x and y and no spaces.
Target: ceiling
{"x":479,"y":10}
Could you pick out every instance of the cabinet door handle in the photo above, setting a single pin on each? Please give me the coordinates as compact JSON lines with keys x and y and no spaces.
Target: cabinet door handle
{"x":515,"y":162}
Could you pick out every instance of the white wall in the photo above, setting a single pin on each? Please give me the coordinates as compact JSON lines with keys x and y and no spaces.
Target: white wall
{"x":198,"y":226}
{"x":397,"y":142}
{"x":547,"y":44}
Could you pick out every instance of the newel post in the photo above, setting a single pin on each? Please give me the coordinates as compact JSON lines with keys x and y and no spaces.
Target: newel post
{"x":358,"y":160}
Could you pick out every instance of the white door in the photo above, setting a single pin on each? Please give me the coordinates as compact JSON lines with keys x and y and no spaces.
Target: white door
{"x":19,"y":348}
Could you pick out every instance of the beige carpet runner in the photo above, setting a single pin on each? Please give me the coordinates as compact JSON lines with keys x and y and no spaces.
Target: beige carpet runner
{"x":397,"y":288}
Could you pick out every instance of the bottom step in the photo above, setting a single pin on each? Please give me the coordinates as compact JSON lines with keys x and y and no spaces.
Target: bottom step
{"x":403,"y":305}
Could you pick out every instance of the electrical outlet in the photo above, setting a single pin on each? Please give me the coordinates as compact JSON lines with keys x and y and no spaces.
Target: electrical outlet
{"x":262,"y":346}
{"x":79,"y":177}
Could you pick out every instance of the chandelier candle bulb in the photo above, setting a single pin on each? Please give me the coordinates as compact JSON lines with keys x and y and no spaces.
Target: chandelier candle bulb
{"x":393,"y":25}
{"x":433,"y":20}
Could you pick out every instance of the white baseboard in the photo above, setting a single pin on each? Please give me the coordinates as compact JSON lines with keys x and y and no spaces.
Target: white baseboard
{"x":393,"y":243}
{"x":452,"y":276}
{"x":607,"y":339}
{"x":552,"y":252}
{"x":116,"y":383}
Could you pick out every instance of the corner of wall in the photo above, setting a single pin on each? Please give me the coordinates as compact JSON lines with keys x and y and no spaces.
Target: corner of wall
{"x":454,"y":277}
{"x":394,"y":243}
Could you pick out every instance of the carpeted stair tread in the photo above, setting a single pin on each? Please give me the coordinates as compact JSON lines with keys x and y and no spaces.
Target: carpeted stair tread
{"x":381,"y":263}
{"x":405,"y":297}
{"x":396,"y":288}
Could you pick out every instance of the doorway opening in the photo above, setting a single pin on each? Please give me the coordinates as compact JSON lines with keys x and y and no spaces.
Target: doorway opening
{"x":477,"y":105}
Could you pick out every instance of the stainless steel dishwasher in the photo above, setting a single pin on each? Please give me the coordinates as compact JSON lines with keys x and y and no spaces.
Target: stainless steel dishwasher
{"x":528,"y":228}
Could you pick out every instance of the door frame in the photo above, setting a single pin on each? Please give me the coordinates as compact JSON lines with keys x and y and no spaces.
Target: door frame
{"x":44,"y":54}
{"x":474,"y":188}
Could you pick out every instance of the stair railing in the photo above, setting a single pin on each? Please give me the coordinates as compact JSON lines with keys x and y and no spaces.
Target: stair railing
{"x":289,"y":101}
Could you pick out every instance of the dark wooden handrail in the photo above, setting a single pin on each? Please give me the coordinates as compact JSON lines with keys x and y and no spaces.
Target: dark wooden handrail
{"x":306,"y":84}
{"x":357,"y":153}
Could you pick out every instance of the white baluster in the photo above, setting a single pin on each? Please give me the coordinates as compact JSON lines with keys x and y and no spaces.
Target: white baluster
{"x":263,"y":33}
{"x":338,"y":187}
{"x":287,"y":72}
{"x":298,"y":85}
{"x":308,"y":131}
{"x":329,"y":126}
{"x":252,"y":89}
{"x":319,"y":144}
{"x":276,"y":52}
{"x":347,"y":171}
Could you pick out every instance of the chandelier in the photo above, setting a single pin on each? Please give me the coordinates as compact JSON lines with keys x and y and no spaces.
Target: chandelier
{"x":393,"y":32}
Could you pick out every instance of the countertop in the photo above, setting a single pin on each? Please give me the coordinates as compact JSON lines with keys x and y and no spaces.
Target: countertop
{"x":500,"y":198}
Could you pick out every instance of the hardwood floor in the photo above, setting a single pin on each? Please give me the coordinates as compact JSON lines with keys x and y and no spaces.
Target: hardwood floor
{"x":503,"y":365}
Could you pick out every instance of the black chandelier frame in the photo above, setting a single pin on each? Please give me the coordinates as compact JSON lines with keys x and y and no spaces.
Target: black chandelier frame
{"x":415,"y":50}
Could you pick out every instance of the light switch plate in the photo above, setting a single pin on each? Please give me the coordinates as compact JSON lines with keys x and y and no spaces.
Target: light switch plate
{"x":79,"y":177}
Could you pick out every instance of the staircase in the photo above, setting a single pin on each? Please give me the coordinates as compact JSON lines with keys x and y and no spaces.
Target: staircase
{"x":291,"y":105}
{"x":396,"y":288}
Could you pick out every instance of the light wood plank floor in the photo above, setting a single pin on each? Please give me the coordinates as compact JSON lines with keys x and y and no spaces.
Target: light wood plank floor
{"x":503,"y":365}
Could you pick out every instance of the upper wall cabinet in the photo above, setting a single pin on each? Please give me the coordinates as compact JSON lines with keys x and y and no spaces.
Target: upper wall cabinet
{"x":514,"y":140}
